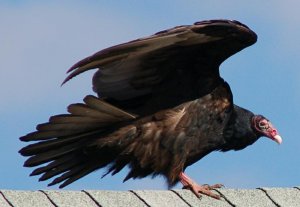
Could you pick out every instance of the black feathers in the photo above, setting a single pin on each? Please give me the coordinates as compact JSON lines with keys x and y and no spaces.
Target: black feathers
{"x":175,"y":108}
{"x":65,"y":141}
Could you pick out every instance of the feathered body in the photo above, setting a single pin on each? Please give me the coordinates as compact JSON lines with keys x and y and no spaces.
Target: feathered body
{"x":162,"y":107}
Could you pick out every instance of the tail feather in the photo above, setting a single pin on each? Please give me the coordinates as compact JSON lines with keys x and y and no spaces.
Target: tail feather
{"x":58,"y":170}
{"x":107,"y":108}
{"x":52,"y":165}
{"x":72,"y":176}
{"x":67,"y":126}
{"x":67,"y":144}
{"x":39,"y":147}
{"x":117,"y":166}
{"x":39,"y":136}
{"x":69,"y":118}
{"x":73,"y":171}
{"x":83,"y":167}
{"x":44,"y":157}
{"x":83,"y":110}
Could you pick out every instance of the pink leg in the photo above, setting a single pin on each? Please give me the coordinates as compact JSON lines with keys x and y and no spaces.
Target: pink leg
{"x":188,"y":183}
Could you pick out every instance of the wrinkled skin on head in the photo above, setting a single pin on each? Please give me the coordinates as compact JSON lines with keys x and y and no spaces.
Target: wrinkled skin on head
{"x":265,"y":128}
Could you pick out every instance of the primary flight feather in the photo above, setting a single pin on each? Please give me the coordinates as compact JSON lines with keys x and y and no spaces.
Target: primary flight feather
{"x":161,"y":107}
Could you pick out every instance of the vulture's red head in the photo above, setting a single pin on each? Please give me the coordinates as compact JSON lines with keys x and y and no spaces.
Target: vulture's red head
{"x":265,"y":128}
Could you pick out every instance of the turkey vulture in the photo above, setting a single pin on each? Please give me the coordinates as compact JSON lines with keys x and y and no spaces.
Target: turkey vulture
{"x":162,"y":106}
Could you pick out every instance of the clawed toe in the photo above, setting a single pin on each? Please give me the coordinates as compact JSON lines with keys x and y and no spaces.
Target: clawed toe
{"x":199,"y":189}
{"x":211,"y":187}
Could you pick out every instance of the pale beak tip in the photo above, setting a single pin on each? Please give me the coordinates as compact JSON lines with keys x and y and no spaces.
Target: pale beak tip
{"x":278,"y":139}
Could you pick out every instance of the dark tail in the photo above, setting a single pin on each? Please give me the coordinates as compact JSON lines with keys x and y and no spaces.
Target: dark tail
{"x":69,"y":144}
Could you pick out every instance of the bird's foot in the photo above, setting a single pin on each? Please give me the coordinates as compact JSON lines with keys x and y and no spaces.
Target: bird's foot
{"x":197,"y":189}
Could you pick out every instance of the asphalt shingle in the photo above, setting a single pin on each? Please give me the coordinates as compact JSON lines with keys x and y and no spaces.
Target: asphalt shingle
{"x":262,"y":197}
{"x":192,"y":200}
{"x":284,"y":196}
{"x":64,"y":198}
{"x":116,"y":198}
{"x":246,"y":198}
{"x":3,"y":201}
{"x":19,"y":198}
{"x":159,"y":198}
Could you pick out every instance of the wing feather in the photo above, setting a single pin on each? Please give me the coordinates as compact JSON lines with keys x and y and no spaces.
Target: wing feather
{"x":182,"y":58}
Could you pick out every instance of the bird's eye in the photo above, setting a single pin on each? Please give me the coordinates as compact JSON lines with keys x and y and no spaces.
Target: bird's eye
{"x":263,"y":125}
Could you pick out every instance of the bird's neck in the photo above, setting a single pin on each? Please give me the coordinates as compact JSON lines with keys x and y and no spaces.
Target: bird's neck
{"x":238,"y":133}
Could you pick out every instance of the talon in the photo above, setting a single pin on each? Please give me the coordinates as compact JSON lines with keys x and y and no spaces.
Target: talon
{"x":211,"y":187}
{"x":188,"y":183}
{"x":218,"y":186}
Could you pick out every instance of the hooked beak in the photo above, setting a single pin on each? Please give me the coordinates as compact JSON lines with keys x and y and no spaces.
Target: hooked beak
{"x":272,"y":133}
{"x":277,"y":138}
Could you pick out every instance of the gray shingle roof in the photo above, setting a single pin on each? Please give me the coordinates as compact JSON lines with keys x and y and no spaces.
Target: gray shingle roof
{"x":289,"y":197}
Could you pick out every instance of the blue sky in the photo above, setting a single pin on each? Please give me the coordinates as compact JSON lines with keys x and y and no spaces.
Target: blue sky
{"x":40,"y":40}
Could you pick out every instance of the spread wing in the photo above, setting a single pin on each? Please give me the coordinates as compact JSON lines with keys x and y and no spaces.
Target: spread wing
{"x":166,"y":69}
